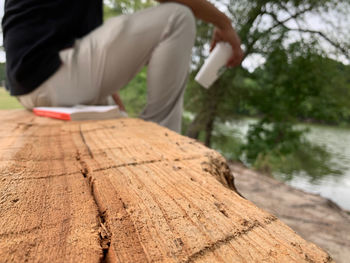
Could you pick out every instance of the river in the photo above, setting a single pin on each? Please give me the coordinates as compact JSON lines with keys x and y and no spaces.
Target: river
{"x":334,"y":184}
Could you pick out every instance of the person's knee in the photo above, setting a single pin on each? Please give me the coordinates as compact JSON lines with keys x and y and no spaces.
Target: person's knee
{"x":115,"y":29}
{"x":186,"y":18}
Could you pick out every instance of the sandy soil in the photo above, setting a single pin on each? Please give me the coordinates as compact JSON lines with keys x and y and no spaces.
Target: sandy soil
{"x":315,"y":218}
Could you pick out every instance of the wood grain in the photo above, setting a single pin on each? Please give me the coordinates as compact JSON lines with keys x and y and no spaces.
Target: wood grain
{"x":127,"y":191}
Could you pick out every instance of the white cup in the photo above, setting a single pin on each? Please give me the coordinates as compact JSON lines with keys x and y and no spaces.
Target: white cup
{"x":211,"y":69}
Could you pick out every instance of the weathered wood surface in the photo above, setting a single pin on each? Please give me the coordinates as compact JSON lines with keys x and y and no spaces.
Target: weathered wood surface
{"x":127,"y":191}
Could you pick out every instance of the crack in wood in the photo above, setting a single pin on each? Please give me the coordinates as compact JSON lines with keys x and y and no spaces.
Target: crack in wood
{"x":104,"y":233}
{"x":25,"y":125}
{"x":84,"y":141}
{"x":40,"y":177}
{"x":23,"y":160}
{"x":250,"y":225}
{"x":145,"y":162}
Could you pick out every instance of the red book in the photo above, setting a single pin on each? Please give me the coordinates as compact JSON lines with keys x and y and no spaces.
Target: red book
{"x":80,"y":112}
{"x":52,"y":114}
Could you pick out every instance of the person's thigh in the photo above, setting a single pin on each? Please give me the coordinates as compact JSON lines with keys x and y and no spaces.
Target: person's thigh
{"x":113,"y":54}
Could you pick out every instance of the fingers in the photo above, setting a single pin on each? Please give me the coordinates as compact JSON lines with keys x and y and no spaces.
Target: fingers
{"x":236,"y":58}
{"x":215,"y":39}
{"x":234,"y":62}
{"x":118,"y":101}
{"x":212,"y":45}
{"x":231,"y":37}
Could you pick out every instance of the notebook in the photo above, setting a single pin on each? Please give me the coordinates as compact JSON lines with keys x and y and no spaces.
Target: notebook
{"x":80,"y":112}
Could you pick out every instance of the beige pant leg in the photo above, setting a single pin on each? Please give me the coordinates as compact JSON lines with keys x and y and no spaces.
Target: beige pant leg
{"x":109,"y":57}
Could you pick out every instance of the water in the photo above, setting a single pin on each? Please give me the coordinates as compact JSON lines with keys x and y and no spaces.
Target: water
{"x":334,"y":185}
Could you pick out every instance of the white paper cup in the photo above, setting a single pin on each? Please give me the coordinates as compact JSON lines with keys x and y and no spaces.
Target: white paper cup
{"x":212,"y":66}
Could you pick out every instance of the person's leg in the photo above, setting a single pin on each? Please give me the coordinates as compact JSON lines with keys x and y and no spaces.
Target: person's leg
{"x":109,"y":57}
{"x":168,"y":70}
{"x":163,"y":37}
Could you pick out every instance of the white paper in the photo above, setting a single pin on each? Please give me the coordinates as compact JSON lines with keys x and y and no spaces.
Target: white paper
{"x":78,"y":108}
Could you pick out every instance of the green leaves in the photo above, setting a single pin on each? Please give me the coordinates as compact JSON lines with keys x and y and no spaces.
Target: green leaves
{"x":118,"y":7}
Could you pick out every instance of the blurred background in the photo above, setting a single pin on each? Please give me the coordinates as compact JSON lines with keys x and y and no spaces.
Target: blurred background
{"x":286,"y":111}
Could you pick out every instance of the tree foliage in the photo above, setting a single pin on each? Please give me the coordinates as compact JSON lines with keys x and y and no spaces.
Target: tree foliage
{"x":118,"y":7}
{"x":303,"y":76}
{"x":299,"y":79}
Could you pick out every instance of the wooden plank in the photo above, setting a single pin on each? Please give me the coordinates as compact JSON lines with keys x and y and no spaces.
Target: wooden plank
{"x":131,"y":192}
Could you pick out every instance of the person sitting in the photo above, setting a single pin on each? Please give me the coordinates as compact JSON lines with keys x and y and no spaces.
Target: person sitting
{"x":59,"y":53}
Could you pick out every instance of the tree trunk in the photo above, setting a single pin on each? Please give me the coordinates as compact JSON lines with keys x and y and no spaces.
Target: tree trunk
{"x":209,"y":131}
{"x":204,"y":121}
{"x":195,"y":127}
{"x":127,"y":191}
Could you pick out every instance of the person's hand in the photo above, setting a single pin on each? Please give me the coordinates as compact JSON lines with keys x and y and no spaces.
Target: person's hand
{"x":229,"y":35}
{"x":118,"y":101}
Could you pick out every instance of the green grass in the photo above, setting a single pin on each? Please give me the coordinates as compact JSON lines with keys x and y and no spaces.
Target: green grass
{"x":7,"y":102}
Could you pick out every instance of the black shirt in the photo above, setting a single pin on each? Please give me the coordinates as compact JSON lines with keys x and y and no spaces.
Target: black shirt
{"x":36,"y":30}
